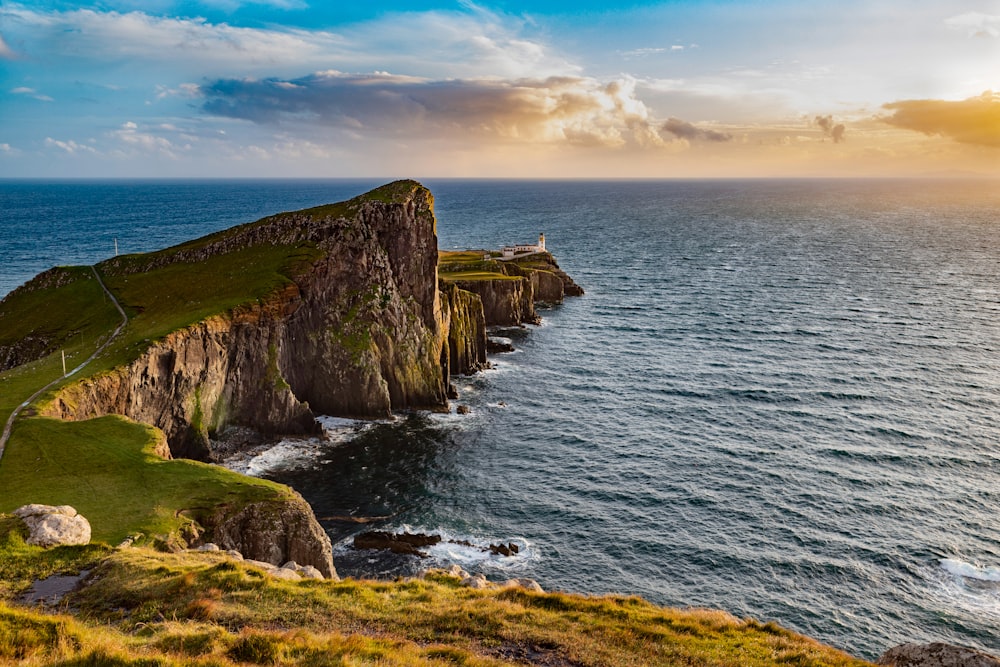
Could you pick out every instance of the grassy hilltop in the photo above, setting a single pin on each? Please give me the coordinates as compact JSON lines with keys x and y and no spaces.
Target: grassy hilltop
{"x":145,"y":605}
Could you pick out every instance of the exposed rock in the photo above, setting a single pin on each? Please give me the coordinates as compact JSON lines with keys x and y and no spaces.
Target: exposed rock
{"x":936,"y":654}
{"x":208,"y":547}
{"x":360,"y":333}
{"x":477,"y":582}
{"x":467,"y":343}
{"x":274,"y":532}
{"x":527,"y":584}
{"x":401,"y":543}
{"x":51,"y":526}
{"x":288,"y":574}
{"x":463,"y":410}
{"x":506,"y":302}
{"x":304,"y":571}
{"x":494,"y":346}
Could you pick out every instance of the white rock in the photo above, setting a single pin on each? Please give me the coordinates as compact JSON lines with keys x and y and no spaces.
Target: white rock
{"x":477,"y":582}
{"x":208,"y":547}
{"x":51,"y":526}
{"x":288,"y":575}
{"x":527,"y":584}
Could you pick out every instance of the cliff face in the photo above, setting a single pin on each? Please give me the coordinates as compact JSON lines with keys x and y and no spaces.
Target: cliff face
{"x":506,"y":302}
{"x":273,"y":532}
{"x":360,"y":333}
{"x":466,"y":330}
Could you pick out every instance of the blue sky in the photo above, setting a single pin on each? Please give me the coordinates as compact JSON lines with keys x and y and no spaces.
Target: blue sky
{"x":509,"y":89}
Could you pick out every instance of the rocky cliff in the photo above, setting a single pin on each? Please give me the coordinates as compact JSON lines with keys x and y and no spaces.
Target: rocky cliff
{"x":273,"y":532}
{"x":466,"y":330}
{"x":359,"y":331}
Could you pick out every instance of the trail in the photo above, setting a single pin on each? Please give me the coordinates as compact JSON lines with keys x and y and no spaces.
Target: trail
{"x":9,"y":426}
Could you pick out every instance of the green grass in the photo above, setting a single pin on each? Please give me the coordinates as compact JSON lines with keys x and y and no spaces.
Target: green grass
{"x":473,"y":275}
{"x":173,"y":609}
{"x":74,"y":317}
{"x":107,"y":470}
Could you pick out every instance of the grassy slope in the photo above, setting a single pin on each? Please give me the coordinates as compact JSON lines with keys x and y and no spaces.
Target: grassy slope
{"x":76,"y":316}
{"x":178,"y":609}
{"x":106,"y":469}
{"x":468,"y":265}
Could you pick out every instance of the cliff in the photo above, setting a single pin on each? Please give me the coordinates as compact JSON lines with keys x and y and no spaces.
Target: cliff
{"x":356,"y":329}
{"x":508,"y":289}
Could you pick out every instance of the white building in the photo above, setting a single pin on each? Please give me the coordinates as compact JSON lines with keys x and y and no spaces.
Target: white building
{"x":513,"y":250}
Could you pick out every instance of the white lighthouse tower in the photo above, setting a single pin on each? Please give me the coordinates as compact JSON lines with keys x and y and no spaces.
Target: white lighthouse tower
{"x":541,"y":242}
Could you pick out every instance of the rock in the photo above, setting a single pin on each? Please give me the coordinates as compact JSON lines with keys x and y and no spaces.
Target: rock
{"x":208,"y":547}
{"x":494,"y":346}
{"x":234,"y":554}
{"x":937,"y":654}
{"x":361,"y":331}
{"x":467,"y":343}
{"x":527,"y":584}
{"x":275,"y":532}
{"x":463,"y":410}
{"x":477,"y":582}
{"x":401,"y":543}
{"x":51,"y":526}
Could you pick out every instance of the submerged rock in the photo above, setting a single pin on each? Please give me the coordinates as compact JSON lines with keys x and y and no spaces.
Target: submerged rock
{"x":51,"y":526}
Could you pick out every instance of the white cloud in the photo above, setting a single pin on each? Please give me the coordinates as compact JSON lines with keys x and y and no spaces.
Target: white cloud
{"x":31,"y":92}
{"x":184,"y":90}
{"x":441,"y":44}
{"x":976,"y":24}
{"x":132,"y":138}
{"x":70,"y":146}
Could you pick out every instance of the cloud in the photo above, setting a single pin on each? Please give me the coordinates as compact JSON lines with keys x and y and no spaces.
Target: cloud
{"x":31,"y":92}
{"x":972,"y":121}
{"x":834,"y":131}
{"x":575,"y":110}
{"x":976,"y":24}
{"x":6,"y":53}
{"x":650,"y":51}
{"x":132,"y":138}
{"x":470,"y":42}
{"x":685,"y":130}
{"x":70,"y":146}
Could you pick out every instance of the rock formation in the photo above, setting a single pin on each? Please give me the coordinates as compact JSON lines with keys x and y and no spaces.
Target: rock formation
{"x":273,"y":532}
{"x":936,"y":654}
{"x":52,"y":526}
{"x":360,"y":333}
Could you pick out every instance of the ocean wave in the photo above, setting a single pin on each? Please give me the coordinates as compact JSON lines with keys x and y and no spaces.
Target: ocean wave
{"x":965,"y":570}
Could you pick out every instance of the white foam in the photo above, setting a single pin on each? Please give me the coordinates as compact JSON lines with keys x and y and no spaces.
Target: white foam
{"x":474,"y":558}
{"x":290,"y":453}
{"x":969,"y":571}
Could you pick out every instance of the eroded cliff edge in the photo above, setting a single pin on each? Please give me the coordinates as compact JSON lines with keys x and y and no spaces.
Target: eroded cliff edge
{"x":358,"y":329}
{"x":335,"y":310}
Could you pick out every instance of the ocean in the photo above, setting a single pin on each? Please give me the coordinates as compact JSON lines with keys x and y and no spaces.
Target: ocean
{"x":778,"y":398}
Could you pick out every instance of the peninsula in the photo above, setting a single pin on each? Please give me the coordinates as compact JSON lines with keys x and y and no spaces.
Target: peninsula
{"x":347,"y":309}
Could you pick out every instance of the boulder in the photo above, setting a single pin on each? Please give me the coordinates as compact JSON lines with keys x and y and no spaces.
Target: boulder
{"x":52,"y":526}
{"x":937,"y":654}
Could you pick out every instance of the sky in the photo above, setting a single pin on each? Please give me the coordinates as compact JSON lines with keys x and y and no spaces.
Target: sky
{"x":501,"y":89}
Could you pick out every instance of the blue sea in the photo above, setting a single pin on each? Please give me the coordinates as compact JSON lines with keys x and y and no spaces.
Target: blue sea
{"x":778,"y":398}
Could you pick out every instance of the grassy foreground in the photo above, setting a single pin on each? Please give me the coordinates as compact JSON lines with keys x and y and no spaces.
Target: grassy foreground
{"x":143,"y":607}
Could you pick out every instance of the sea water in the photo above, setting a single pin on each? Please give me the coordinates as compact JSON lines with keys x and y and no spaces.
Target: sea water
{"x":779,"y":398}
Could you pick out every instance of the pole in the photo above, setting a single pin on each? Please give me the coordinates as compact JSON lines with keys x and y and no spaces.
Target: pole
{"x":116,"y":246}
{"x":64,"y":362}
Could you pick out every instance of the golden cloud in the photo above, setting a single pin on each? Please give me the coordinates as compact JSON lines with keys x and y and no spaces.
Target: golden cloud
{"x":556,"y":110}
{"x":972,"y":121}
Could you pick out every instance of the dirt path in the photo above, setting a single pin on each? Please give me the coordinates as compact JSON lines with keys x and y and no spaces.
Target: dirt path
{"x":8,"y":427}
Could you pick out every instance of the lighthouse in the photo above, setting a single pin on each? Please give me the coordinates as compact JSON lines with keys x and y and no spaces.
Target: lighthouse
{"x":541,"y":242}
